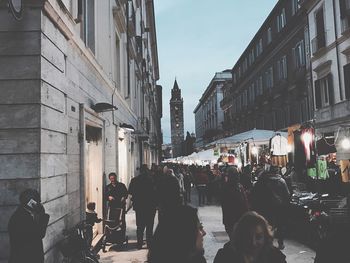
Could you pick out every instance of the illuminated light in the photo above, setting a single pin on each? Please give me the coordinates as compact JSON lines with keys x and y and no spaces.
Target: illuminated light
{"x":255,"y":150}
{"x":307,"y":138}
{"x":345,"y":143}
{"x":289,"y":148}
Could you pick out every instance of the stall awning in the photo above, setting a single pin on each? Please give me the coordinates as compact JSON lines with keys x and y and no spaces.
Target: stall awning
{"x":256,"y":136}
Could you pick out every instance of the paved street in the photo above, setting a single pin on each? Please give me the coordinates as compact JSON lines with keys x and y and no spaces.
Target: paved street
{"x":216,"y":237}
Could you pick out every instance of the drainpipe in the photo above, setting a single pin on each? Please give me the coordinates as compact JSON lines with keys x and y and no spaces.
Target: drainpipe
{"x":127,"y":47}
{"x":337,"y":50}
{"x":81,"y":139}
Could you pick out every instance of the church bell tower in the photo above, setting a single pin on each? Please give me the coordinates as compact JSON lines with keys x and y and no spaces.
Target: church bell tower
{"x":176,"y":120}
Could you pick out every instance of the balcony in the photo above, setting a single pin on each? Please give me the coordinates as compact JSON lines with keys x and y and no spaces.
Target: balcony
{"x":226,"y":101}
{"x":146,"y":124}
{"x":318,"y":42}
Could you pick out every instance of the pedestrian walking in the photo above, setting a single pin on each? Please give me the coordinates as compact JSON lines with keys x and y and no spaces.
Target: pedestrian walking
{"x":188,"y":181}
{"x":143,"y":196}
{"x":234,"y":201}
{"x":168,"y":192}
{"x":116,"y":194}
{"x":250,"y":242}
{"x":270,"y":198}
{"x":178,"y":238}
{"x":180,"y":178}
{"x":202,"y":180}
{"x":27,"y":228}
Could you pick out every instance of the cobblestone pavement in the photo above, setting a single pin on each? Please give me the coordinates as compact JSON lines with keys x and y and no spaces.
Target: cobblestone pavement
{"x":216,"y":237}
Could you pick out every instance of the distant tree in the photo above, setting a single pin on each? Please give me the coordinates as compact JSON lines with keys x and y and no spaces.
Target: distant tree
{"x":189,"y":144}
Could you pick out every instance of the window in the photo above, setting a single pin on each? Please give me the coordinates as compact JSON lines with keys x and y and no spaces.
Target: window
{"x":252,"y":56}
{"x":259,"y":86}
{"x":347,"y":80}
{"x":88,"y":25}
{"x":282,"y":68}
{"x":320,"y":40}
{"x":295,"y":6}
{"x":245,"y":95}
{"x":251,"y":91}
{"x":281,"y":20}
{"x":269,"y":78}
{"x":117,"y":62}
{"x":345,"y":14}
{"x":299,"y":54}
{"x":258,"y":47}
{"x":269,"y":35}
{"x":245,"y":65}
{"x":324,"y":94}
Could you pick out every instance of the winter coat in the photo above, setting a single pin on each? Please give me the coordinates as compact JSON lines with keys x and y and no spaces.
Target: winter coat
{"x":233,"y":202}
{"x":143,"y":191}
{"x":270,"y":195}
{"x":228,"y":254}
{"x":26,"y":233}
{"x":118,"y":191}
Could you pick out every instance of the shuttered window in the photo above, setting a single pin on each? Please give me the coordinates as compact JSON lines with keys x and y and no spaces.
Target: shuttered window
{"x":324,"y":92}
{"x":347,"y":80}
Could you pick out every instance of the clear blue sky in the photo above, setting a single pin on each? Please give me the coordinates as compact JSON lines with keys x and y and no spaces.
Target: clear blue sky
{"x":196,"y":39}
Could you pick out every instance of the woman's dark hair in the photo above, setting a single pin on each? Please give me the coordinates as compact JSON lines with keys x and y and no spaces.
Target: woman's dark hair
{"x":244,"y":228}
{"x":91,"y":206}
{"x":28,"y":194}
{"x":112,"y":174}
{"x":174,"y":240}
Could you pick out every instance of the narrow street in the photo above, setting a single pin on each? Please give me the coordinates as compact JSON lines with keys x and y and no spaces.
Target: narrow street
{"x":215,"y":238}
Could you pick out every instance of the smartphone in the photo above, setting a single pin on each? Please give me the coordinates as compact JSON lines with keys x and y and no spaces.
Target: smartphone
{"x":32,"y":203}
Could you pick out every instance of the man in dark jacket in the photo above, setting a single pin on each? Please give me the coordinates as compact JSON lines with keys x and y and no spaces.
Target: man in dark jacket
{"x":168,"y":193}
{"x":234,"y":202}
{"x":27,"y":228}
{"x":116,"y":194}
{"x":142,"y":190}
{"x":270,"y":198}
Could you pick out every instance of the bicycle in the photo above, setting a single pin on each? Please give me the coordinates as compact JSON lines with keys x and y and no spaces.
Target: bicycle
{"x":75,"y":247}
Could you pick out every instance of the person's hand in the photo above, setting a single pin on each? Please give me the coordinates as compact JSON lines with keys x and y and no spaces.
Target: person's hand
{"x":110,"y":198}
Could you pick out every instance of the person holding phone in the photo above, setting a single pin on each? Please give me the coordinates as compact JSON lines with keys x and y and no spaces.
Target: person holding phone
{"x":27,"y":228}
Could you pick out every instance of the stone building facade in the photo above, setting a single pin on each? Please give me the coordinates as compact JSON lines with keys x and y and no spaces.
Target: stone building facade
{"x":78,"y":100}
{"x":271,"y":81}
{"x":329,"y":27}
{"x":176,"y":120}
{"x":209,"y":117}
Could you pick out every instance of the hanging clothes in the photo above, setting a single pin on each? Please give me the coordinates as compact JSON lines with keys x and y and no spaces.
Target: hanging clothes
{"x":345,"y":170}
{"x":280,"y":161}
{"x":279,"y":145}
{"x":299,"y":153}
{"x":319,"y":172}
{"x":325,"y":146}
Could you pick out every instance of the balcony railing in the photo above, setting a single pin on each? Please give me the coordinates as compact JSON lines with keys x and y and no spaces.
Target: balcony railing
{"x":318,"y":42}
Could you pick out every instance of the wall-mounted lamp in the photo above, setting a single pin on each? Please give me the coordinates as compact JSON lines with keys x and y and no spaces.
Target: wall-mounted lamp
{"x":126,"y":126}
{"x":103,"y":106}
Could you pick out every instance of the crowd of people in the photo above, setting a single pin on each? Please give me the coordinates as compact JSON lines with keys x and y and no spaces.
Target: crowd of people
{"x":254,"y":203}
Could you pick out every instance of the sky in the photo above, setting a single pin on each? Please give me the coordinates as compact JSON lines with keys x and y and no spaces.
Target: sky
{"x":196,"y":39}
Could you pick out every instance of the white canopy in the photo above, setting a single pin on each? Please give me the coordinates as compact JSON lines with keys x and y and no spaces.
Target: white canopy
{"x":256,"y":136}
